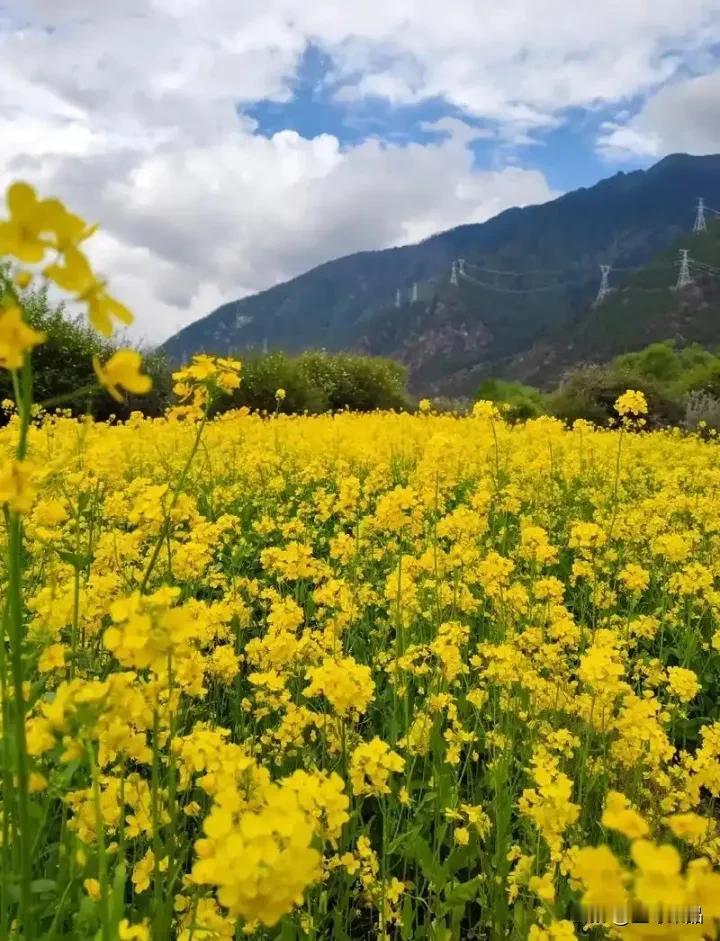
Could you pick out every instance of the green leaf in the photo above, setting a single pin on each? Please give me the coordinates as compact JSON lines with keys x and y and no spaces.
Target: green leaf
{"x":463,"y":892}
{"x":77,"y":560}
{"x":420,"y":852}
{"x":406,"y":919}
{"x":288,"y":930}
{"x":39,"y":886}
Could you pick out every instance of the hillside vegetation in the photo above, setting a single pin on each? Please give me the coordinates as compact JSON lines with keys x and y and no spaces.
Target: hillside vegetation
{"x":681,"y":386}
{"x":643,"y":308}
{"x":453,"y":337}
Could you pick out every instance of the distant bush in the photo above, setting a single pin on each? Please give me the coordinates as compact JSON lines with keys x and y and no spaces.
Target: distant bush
{"x":317,"y":382}
{"x":702,"y":412}
{"x":521,"y":402}
{"x":263,"y":375}
{"x":590,"y":392}
{"x":63,"y":370}
{"x":677,"y":370}
{"x":360,"y":383}
{"x":446,"y":405}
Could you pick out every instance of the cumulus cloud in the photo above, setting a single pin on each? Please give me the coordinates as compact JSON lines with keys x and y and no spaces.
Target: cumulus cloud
{"x":134,"y":113}
{"x":682,"y":117}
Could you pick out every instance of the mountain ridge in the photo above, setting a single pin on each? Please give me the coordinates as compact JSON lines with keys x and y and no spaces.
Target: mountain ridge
{"x":468,"y":331}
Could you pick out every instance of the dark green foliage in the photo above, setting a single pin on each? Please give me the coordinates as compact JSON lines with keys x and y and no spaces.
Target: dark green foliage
{"x":63,"y":374}
{"x":522,"y":402}
{"x":317,"y":382}
{"x":361,"y":383}
{"x":263,"y":375}
{"x":590,"y":392}
{"x":681,"y":385}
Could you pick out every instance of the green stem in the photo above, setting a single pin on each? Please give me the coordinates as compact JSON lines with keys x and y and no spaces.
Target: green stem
{"x":100,"y":839}
{"x":23,"y":397}
{"x":69,"y":396}
{"x":165,"y":528}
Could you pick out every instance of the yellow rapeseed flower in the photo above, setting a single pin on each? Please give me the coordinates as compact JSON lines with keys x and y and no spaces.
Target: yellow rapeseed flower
{"x":621,"y":816}
{"x":122,"y":371}
{"x":631,"y":403}
{"x":22,"y":234}
{"x":76,"y":277}
{"x":16,"y":338}
{"x":17,"y":485}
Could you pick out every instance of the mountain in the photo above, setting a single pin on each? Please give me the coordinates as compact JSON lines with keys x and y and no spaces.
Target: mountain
{"x":453,"y":336}
{"x":645,"y":307}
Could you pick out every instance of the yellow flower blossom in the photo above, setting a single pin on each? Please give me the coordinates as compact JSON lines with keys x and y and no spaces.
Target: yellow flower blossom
{"x":16,"y":338}
{"x":122,"y":372}
{"x":631,"y":403}
{"x":17,"y":485}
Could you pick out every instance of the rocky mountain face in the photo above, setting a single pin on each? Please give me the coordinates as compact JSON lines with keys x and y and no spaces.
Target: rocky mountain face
{"x":520,"y":304}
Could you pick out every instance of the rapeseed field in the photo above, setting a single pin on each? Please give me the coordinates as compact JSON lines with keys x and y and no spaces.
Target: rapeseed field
{"x":349,"y":676}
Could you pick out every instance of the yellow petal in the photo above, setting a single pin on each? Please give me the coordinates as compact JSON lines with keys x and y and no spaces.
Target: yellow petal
{"x":22,"y":200}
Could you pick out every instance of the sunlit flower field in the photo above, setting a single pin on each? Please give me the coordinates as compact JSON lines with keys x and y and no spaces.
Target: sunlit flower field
{"x":359,"y":676}
{"x":352,"y":676}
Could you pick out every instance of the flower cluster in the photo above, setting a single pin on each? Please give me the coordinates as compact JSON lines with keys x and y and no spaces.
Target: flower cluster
{"x":360,"y":676}
{"x":199,"y":383}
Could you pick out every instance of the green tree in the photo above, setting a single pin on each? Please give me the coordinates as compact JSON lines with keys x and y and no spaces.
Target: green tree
{"x":63,"y":374}
{"x":521,"y":401}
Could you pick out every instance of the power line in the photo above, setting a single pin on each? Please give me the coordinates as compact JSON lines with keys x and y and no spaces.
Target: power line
{"x":705,"y":269}
{"x":458,"y":270}
{"x":510,"y":273}
{"x":549,"y":271}
{"x":547,"y":287}
{"x":642,"y":268}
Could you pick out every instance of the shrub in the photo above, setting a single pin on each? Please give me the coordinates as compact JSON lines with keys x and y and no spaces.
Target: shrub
{"x":263,"y":375}
{"x":317,"y":382}
{"x":446,"y":405}
{"x":521,"y":402}
{"x":589,"y":392}
{"x":702,"y":411}
{"x":360,"y":383}
{"x":63,"y":373}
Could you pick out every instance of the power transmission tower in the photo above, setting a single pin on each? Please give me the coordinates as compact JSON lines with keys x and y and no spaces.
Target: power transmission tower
{"x":414,"y":294}
{"x":461,"y":266}
{"x":265,"y":346}
{"x":454,"y":274}
{"x":684,"y":278}
{"x":700,"y":223}
{"x":397,"y":298}
{"x":604,"y":288}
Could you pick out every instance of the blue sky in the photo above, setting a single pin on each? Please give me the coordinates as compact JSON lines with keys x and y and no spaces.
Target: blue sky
{"x":566,"y":155}
{"x":225,"y":147}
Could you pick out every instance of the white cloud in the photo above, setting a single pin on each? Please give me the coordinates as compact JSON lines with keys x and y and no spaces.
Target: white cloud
{"x":682,"y":117}
{"x":132,"y":112}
